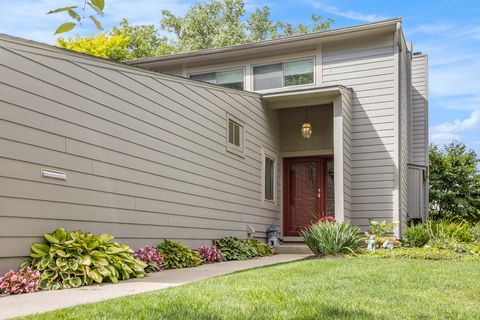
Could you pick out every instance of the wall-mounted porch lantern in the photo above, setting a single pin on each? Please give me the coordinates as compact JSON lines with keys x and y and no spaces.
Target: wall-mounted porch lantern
{"x":306,"y":127}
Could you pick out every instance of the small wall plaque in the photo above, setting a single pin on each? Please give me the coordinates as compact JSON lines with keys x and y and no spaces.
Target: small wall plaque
{"x":53,"y":174}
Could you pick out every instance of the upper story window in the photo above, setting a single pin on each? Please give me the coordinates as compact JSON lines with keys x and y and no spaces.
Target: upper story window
{"x":235,"y":135}
{"x":283,"y":74}
{"x":230,"y":78}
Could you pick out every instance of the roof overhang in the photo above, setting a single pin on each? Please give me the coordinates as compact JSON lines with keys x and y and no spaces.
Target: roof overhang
{"x":302,"y":97}
{"x":257,"y":49}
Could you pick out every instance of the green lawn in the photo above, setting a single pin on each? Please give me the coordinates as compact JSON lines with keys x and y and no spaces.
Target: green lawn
{"x":354,"y":288}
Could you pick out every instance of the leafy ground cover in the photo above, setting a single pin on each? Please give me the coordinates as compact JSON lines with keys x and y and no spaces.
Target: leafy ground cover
{"x":351,"y":288}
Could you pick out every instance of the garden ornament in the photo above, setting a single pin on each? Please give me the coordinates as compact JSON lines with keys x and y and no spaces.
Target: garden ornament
{"x":272,"y":235}
{"x":387,"y":244}
{"x":372,"y":243}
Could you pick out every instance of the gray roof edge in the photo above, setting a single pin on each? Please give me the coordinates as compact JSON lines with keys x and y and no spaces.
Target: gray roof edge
{"x":308,"y":36}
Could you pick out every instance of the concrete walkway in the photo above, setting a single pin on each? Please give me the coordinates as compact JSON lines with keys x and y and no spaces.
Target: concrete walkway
{"x":25,"y":304}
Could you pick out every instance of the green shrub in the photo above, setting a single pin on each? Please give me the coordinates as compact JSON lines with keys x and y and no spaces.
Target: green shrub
{"x":330,"y":238}
{"x":235,"y":249}
{"x":73,"y":259}
{"x":416,"y":236}
{"x":445,"y":231}
{"x":176,"y":255}
{"x":475,"y":231}
{"x":380,"y":228}
{"x":422,"y":254}
{"x":262,"y":249}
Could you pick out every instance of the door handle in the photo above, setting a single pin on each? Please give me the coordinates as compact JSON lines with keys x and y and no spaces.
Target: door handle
{"x":319,"y":193}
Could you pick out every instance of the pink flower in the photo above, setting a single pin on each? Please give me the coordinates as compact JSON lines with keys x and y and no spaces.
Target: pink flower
{"x":210,"y":254}
{"x":25,"y":280}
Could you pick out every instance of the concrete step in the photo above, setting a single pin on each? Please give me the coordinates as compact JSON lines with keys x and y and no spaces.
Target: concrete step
{"x":295,"y":248}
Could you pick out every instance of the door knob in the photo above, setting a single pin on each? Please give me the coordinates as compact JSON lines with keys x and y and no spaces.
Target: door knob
{"x":319,"y":193}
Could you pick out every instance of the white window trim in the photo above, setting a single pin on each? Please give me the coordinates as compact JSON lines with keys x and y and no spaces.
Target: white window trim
{"x":238,"y":150}
{"x":219,"y":70}
{"x":272,"y":155}
{"x":283,"y":73}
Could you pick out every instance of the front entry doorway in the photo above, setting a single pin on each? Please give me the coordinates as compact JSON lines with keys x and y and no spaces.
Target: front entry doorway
{"x":308,"y":192}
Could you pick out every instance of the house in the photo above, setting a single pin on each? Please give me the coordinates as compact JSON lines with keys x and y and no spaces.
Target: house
{"x":277,"y":132}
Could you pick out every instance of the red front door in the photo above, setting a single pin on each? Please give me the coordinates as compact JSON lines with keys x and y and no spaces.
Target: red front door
{"x":304,"y":192}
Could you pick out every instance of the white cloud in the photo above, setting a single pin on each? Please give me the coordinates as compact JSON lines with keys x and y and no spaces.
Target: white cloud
{"x":349,"y":14}
{"x":449,"y":131}
{"x":431,"y":29}
{"x":28,"y":18}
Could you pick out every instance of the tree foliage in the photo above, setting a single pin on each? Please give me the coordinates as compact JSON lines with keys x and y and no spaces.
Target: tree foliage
{"x":212,"y":24}
{"x":144,"y":40}
{"x":96,"y":6}
{"x":219,"y":23}
{"x":123,"y":42}
{"x":454,"y":183}
{"x":113,"y":47}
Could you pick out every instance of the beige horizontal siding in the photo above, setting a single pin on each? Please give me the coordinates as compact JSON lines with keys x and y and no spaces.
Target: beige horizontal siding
{"x":419,"y":126}
{"x":367,"y":66}
{"x":144,"y":153}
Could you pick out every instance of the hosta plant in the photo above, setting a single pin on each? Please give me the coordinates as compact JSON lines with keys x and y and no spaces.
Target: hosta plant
{"x":176,"y":255}
{"x":23,"y":281}
{"x":262,"y":249}
{"x":151,"y":256}
{"x":331,"y":238}
{"x":74,"y":259}
{"x":210,"y":254}
{"x":235,"y":249}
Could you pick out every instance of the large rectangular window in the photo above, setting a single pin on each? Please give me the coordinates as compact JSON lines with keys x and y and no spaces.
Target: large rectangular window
{"x":284,"y":74}
{"x":230,"y":78}
{"x":298,"y":72}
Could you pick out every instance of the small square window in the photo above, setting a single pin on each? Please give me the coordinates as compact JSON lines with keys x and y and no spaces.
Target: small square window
{"x":235,"y":135}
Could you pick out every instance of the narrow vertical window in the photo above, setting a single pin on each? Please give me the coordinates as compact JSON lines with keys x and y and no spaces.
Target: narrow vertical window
{"x":234,"y":132}
{"x":235,"y":136}
{"x":269,"y":179}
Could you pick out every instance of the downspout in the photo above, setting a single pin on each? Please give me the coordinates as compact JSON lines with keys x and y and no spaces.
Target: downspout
{"x":398,"y":155}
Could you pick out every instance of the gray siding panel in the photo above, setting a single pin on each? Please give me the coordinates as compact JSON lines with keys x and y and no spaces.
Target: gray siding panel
{"x":144,"y":153}
{"x":404,"y":106}
{"x":419,"y":127}
{"x":367,"y":66}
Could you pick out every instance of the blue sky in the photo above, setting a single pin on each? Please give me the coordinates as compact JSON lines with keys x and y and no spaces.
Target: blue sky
{"x":448,"y":31}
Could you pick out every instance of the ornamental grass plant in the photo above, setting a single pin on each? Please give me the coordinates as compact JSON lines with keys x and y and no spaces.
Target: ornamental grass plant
{"x":332,"y":238}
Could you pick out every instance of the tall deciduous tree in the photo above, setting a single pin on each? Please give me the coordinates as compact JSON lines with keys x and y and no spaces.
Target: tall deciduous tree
{"x":145,"y":40}
{"x":454,"y":183}
{"x":212,"y":24}
{"x":218,"y":23}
